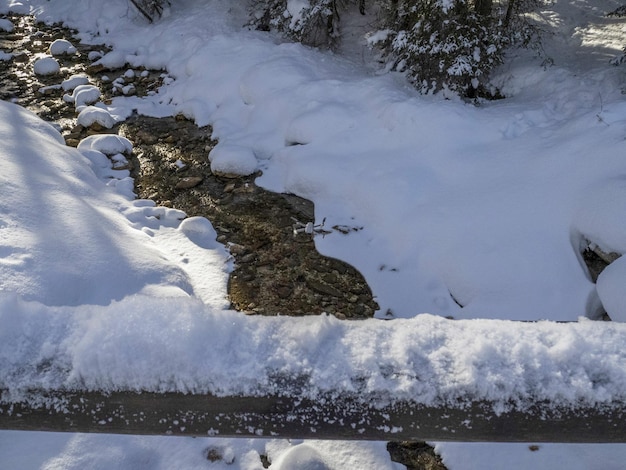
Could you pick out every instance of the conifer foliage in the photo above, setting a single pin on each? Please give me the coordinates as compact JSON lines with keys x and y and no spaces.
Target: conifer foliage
{"x":453,"y":44}
{"x":438,"y":44}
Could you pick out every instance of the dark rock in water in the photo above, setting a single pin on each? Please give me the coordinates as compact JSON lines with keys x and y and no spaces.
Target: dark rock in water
{"x":415,"y":455}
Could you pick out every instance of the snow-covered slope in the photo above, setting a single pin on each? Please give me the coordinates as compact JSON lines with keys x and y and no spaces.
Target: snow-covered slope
{"x":487,"y":207}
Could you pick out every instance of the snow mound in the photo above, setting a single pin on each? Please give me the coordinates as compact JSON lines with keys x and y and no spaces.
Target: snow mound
{"x":46,"y":66}
{"x":113,"y":60}
{"x":611,"y":288}
{"x":200,"y":231}
{"x":232,"y":159}
{"x":91,"y":115}
{"x":83,"y":95}
{"x":50,"y":189}
{"x":6,"y":25}
{"x":62,"y":47}
{"x":71,"y":83}
{"x":301,"y":457}
{"x":108,"y":144}
{"x":600,"y":215}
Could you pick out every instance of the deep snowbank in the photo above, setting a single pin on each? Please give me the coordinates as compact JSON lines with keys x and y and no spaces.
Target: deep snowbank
{"x":176,"y":344}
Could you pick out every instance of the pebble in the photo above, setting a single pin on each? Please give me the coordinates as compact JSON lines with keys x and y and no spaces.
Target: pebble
{"x":189,"y":182}
{"x":21,"y":57}
{"x":249,"y":258}
{"x":283,"y":291}
{"x":237,"y":249}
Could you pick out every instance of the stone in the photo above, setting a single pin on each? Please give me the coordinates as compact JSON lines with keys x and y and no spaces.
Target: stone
{"x":46,"y":66}
{"x":245,"y":259}
{"x":323,"y":288}
{"x":189,"y":182}
{"x":62,"y":47}
{"x":20,"y":57}
{"x":284,"y":291}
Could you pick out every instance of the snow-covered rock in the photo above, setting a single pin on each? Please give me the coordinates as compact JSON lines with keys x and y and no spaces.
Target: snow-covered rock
{"x":74,"y":81}
{"x":91,"y":115}
{"x":301,"y":457}
{"x":611,"y":286}
{"x":83,"y":95}
{"x":46,"y":66}
{"x":232,"y":160}
{"x":62,"y":47}
{"x":108,"y":144}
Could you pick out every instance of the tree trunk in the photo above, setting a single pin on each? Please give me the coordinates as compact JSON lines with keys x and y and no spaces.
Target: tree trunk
{"x":483,"y":7}
{"x":509,"y":13}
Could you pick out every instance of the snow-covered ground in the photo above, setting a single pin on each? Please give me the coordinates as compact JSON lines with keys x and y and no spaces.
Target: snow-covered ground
{"x":487,"y":207}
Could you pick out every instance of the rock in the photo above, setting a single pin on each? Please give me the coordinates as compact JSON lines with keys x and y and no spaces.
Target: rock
{"x":94,"y":69}
{"x":46,"y":66}
{"x":145,"y":137}
{"x":245,"y":259}
{"x":415,"y":455}
{"x":189,"y":182}
{"x":108,"y":144}
{"x":74,"y":81}
{"x":62,"y":47}
{"x":21,"y":57}
{"x":96,"y":118}
{"x":284,"y":291}
{"x":236,"y":249}
{"x":323,"y":288}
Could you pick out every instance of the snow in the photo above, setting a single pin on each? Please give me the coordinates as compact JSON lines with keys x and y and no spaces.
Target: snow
{"x":232,"y":159}
{"x":46,"y":66}
{"x":611,"y":289}
{"x":109,"y":144}
{"x":92,"y":114}
{"x":6,"y":25}
{"x":83,"y":95}
{"x":75,"y":80}
{"x":62,"y":47}
{"x":488,"y":207}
